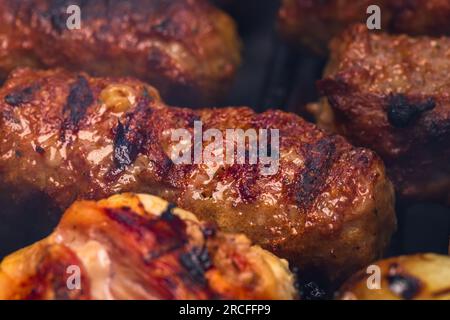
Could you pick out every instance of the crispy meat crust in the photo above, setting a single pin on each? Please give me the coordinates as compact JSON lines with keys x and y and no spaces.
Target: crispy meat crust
{"x":141,"y":247}
{"x":315,"y":23}
{"x":188,"y":49}
{"x":328,"y":209}
{"x":390,"y":94}
{"x":418,"y":277}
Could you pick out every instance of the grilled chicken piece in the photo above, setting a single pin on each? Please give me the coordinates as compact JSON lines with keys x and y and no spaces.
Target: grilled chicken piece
{"x":390,"y":94}
{"x":141,"y":247}
{"x":188,"y":49}
{"x":328,"y":208}
{"x":418,"y":277}
{"x":315,"y":23}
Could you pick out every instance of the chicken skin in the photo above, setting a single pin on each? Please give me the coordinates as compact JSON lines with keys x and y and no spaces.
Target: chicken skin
{"x":328,"y":208}
{"x":314,"y":23}
{"x":188,"y":49}
{"x":415,"y":277}
{"x":136,"y":246}
{"x":390,"y":94}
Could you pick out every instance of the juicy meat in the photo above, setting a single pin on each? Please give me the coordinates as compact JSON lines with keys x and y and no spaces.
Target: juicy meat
{"x":188,"y":49}
{"x":328,"y":208}
{"x":415,"y":277}
{"x":141,"y":247}
{"x":390,"y":94}
{"x":314,"y":23}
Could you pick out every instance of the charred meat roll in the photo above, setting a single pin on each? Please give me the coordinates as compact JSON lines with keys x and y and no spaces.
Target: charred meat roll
{"x":315,"y":23}
{"x":416,"y":277}
{"x":390,"y":94}
{"x":141,"y":247}
{"x":188,"y":49}
{"x":326,"y":206}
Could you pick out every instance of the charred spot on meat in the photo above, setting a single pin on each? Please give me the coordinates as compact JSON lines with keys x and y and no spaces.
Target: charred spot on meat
{"x":79,"y":99}
{"x":402,"y":112}
{"x":21,"y":96}
{"x":196,"y":262}
{"x":402,"y":284}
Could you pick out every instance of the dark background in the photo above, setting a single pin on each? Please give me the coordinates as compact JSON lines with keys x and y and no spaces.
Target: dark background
{"x":276,"y":76}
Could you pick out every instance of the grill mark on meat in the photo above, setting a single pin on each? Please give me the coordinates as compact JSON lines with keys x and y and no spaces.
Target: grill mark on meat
{"x":21,"y":96}
{"x":170,"y":232}
{"x":130,"y":138}
{"x":311,"y":181}
{"x":168,"y":213}
{"x":401,"y":284}
{"x":125,"y":151}
{"x":152,"y":147}
{"x":79,"y":99}
{"x":164,"y":247}
{"x":197,"y":262}
{"x":125,"y":217}
{"x":51,"y":276}
{"x":170,"y":235}
{"x":402,"y":112}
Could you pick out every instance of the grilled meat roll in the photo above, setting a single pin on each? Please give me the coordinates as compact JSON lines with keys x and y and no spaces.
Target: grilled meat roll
{"x":418,"y":277}
{"x":141,"y":247}
{"x":315,"y":23}
{"x":327,"y":208}
{"x":188,"y":49}
{"x":390,"y":94}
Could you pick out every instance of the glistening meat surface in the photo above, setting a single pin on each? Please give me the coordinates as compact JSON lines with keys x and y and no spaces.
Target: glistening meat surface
{"x":390,"y":93}
{"x":141,"y":247}
{"x":315,"y":23}
{"x":65,"y":136}
{"x":188,"y":49}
